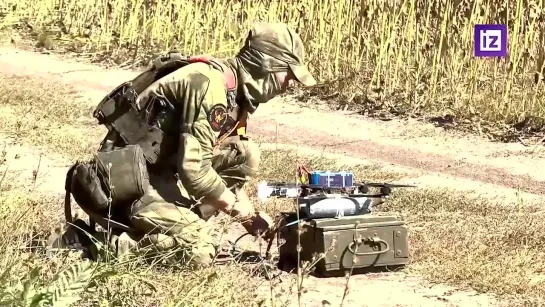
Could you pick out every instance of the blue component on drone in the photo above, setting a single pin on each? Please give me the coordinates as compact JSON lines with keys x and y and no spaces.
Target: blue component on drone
{"x":332,"y":179}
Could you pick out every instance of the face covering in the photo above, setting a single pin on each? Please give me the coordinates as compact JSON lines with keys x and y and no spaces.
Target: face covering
{"x":261,"y":90}
{"x":257,"y":81}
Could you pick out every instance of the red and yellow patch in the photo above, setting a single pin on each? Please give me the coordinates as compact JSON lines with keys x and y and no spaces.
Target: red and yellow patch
{"x":217,"y":117}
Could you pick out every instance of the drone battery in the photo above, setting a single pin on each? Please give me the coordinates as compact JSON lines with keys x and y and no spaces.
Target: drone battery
{"x":360,"y":242}
{"x":332,"y":179}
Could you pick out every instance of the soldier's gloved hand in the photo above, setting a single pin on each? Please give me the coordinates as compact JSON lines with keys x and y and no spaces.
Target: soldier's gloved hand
{"x":259,"y":224}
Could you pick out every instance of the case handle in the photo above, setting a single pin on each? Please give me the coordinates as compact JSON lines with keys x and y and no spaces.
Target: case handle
{"x":373,"y":240}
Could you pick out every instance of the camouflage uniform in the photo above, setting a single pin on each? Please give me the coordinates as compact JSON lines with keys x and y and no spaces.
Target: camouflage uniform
{"x":203,"y":170}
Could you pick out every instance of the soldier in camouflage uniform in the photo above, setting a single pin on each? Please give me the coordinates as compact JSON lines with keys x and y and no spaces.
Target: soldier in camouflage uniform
{"x":271,"y":57}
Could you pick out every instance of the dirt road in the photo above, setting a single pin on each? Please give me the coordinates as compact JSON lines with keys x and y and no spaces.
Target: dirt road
{"x":429,"y":156}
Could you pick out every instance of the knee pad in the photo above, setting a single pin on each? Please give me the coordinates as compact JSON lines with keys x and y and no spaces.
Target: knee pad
{"x":253,"y":155}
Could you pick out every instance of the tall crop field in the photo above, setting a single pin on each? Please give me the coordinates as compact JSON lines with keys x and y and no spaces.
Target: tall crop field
{"x":411,"y":55}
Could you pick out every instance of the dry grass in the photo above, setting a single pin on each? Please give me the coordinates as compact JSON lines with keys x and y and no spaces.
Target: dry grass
{"x":465,"y":240}
{"x":454,"y":238}
{"x":404,"y":56}
{"x":49,"y":115}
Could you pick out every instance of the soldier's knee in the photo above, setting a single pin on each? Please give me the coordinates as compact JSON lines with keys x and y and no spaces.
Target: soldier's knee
{"x":238,"y":157}
{"x":253,"y":155}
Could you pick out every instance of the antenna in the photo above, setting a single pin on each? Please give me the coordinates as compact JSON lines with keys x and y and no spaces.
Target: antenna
{"x":276,"y":145}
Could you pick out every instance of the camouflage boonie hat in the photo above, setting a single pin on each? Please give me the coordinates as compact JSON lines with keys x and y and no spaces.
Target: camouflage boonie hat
{"x":280,"y":42}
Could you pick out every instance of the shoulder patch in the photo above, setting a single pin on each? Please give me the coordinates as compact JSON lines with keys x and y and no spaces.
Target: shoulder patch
{"x":217,"y":117}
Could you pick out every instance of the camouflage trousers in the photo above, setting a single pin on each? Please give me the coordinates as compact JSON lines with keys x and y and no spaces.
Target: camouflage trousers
{"x":165,"y":226}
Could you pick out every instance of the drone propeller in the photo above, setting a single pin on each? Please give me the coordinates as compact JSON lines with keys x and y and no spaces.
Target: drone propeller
{"x":290,"y":189}
{"x":385,"y":188}
{"x":385,"y":185}
{"x":323,"y":187}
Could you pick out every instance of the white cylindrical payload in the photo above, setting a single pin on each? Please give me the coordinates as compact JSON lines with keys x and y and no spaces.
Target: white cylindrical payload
{"x":331,"y":205}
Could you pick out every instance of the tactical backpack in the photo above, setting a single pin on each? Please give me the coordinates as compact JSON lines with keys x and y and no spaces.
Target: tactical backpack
{"x":139,"y":135}
{"x":143,"y":123}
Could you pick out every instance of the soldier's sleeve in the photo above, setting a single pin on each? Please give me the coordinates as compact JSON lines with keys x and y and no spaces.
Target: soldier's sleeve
{"x":203,"y":107}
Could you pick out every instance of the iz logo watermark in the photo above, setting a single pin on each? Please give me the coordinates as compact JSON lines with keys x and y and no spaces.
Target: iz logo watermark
{"x":490,"y":40}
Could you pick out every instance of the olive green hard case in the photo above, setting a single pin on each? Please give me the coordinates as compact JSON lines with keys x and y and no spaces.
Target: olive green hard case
{"x":367,"y":241}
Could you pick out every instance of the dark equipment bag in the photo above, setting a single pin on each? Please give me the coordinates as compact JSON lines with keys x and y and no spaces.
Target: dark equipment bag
{"x":371,"y":240}
{"x":107,"y":184}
